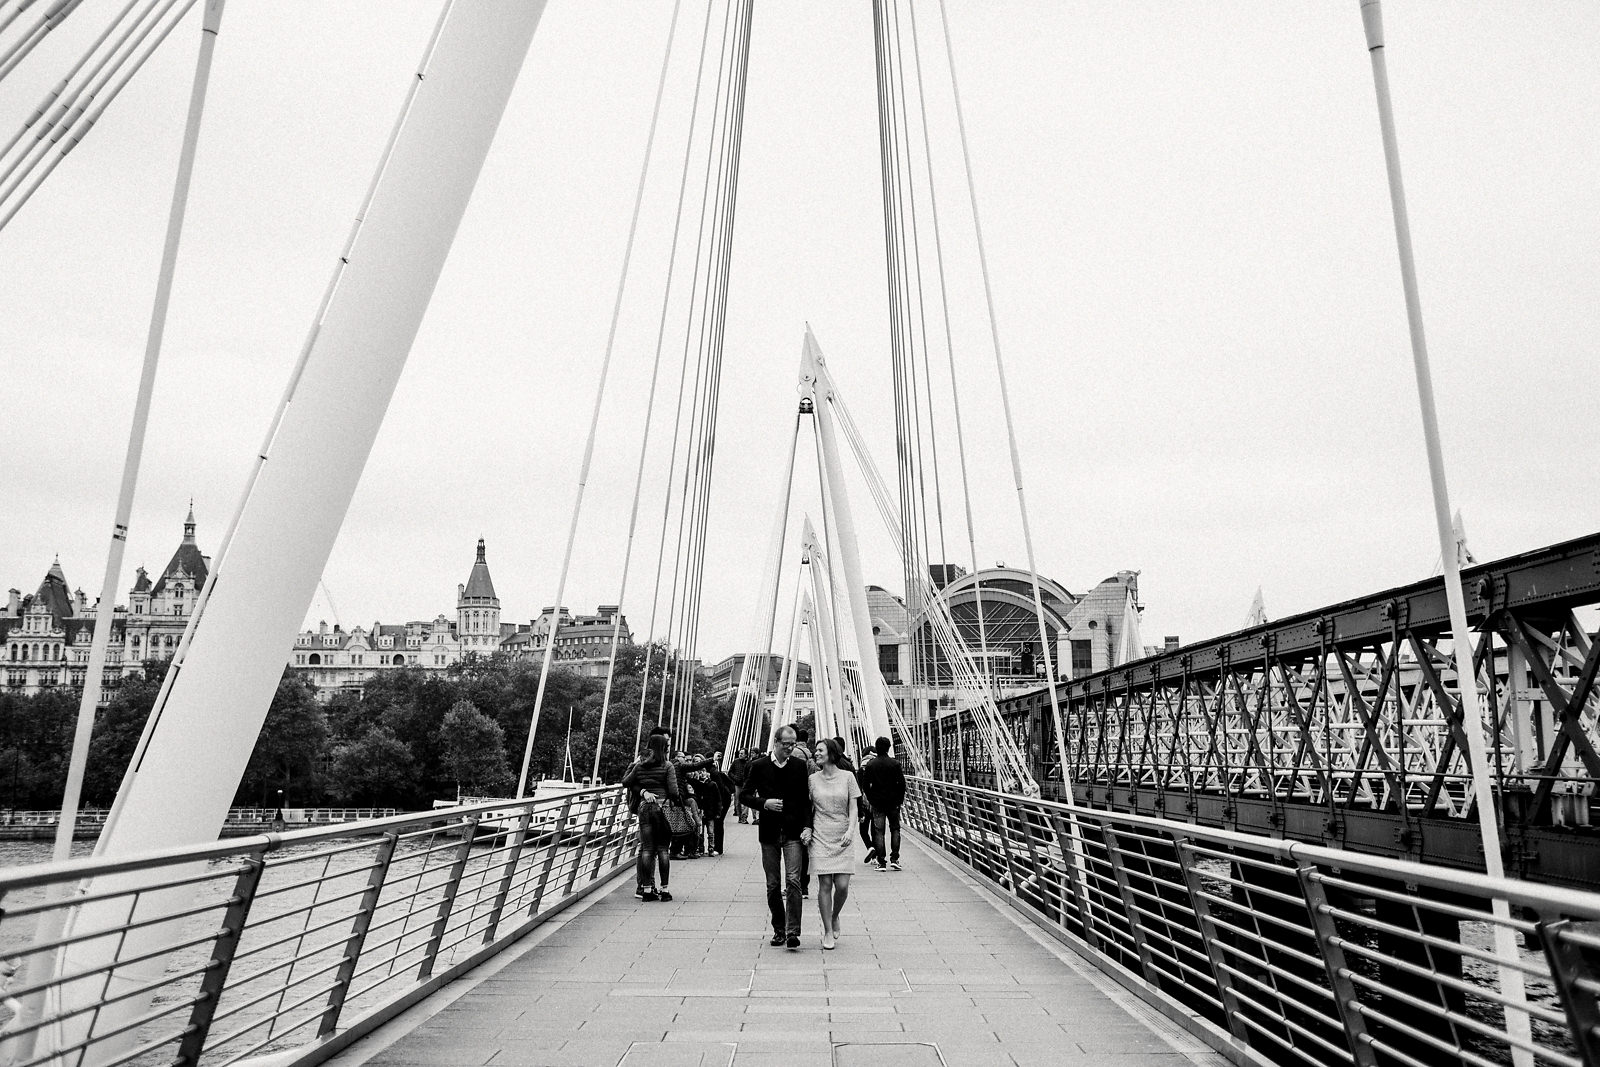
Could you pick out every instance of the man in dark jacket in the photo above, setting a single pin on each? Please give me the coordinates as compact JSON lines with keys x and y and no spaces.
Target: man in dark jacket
{"x":779,"y":787}
{"x":884,"y":785}
{"x":738,"y":771}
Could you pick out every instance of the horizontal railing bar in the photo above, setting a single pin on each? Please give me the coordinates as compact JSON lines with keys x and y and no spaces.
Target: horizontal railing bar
{"x":140,"y":990}
{"x":1440,"y":907}
{"x":280,"y":1013}
{"x":1415,"y":1034}
{"x":1431,"y":940}
{"x":294,"y":980}
{"x":1289,"y":976}
{"x":1477,"y":992}
{"x":1281,"y":1019}
{"x":307,"y":908}
{"x":77,"y":900}
{"x":12,"y":879}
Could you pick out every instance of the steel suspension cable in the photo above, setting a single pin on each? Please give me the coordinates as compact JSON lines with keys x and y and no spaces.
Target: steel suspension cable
{"x":661,"y":330}
{"x":79,"y":123}
{"x":673,"y":630}
{"x":594,"y":420}
{"x":1005,"y":403}
{"x":649,"y":412}
{"x":950,"y":351}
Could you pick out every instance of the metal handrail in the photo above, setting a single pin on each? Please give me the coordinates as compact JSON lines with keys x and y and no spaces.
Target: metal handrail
{"x":1284,"y":948}
{"x":255,"y":898}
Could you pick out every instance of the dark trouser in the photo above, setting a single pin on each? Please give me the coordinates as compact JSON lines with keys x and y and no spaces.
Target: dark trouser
{"x":781,"y":864}
{"x":892,"y":817}
{"x":653,"y":839}
{"x":738,"y":802}
{"x":864,"y":823}
{"x":714,"y":825}
{"x":805,"y":871}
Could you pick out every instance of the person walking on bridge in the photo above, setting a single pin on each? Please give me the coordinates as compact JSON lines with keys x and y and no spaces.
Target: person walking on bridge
{"x":835,"y":795}
{"x":778,"y":788}
{"x":652,"y":783}
{"x":884,"y":784}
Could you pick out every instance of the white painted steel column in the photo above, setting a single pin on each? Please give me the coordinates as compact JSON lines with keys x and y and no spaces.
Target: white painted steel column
{"x":181,"y":792}
{"x":1511,"y":984}
{"x":813,"y":370}
{"x":823,"y":587}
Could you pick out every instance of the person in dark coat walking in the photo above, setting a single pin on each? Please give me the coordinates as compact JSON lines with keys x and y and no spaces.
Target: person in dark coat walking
{"x":779,"y":787}
{"x":884,"y":785}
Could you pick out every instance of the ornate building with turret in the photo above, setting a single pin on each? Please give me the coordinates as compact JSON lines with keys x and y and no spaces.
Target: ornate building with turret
{"x":45,"y":637}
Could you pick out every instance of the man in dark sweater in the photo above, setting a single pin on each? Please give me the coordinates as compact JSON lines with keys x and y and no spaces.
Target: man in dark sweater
{"x":883,"y":783}
{"x":779,"y":788}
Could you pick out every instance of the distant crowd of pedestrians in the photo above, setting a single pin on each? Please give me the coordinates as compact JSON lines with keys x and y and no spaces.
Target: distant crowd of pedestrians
{"x":810,"y":803}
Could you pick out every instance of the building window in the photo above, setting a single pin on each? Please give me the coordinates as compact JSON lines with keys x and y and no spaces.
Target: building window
{"x":315,"y":659}
{"x":1082,"y":657}
{"x":889,"y":663}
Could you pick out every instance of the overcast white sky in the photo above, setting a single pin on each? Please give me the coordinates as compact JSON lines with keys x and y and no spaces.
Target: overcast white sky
{"x":1187,"y":225}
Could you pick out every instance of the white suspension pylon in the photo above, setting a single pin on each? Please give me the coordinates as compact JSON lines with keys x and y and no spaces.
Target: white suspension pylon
{"x":191,"y":766}
{"x":1518,"y":1024}
{"x":815,"y":382}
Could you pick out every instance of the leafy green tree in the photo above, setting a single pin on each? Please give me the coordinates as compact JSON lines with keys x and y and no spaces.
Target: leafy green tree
{"x":375,"y":771}
{"x":291,"y":749}
{"x":473,"y":750}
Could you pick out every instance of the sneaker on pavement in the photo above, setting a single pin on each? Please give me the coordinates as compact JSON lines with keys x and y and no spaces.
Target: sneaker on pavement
{"x":894,"y":865}
{"x":777,"y":940}
{"x":794,"y":941}
{"x":649,"y":895}
{"x":664,"y":895}
{"x":881,"y":868}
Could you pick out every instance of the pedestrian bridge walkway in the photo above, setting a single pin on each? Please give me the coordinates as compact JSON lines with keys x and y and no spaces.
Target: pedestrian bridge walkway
{"x":1021,"y":931}
{"x":929,"y":969}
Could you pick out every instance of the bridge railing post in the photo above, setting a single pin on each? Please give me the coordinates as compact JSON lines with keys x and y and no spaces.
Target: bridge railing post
{"x":583,"y":844}
{"x":1130,"y":909}
{"x":1344,"y":990}
{"x":1209,"y":939}
{"x":358,"y":934}
{"x":469,"y":829}
{"x":1075,"y":879}
{"x":193,"y":1042}
{"x":519,"y":839}
{"x":551,"y":848}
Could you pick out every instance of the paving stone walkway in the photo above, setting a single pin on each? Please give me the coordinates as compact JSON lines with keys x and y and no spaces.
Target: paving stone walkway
{"x":927,"y":972}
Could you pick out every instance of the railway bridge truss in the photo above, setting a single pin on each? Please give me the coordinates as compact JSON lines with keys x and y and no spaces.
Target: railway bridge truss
{"x":1343,"y":726}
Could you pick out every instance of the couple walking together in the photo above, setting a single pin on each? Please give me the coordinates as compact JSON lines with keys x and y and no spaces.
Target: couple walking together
{"x":803,"y":810}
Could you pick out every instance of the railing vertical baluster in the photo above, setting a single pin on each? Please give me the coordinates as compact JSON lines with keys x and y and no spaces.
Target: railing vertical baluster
{"x":1209,"y":935}
{"x":1002,"y":830}
{"x":1075,"y":879}
{"x":215,"y":979}
{"x":1135,"y":927}
{"x":550,"y":854}
{"x":1041,"y":862}
{"x":469,"y":829}
{"x":1569,"y":966}
{"x":1344,"y":990}
{"x":607,"y":833}
{"x":583,"y":844}
{"x":519,"y":838}
{"x":358,"y":933}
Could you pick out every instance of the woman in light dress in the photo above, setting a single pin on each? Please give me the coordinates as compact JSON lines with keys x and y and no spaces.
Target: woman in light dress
{"x":835,"y":794}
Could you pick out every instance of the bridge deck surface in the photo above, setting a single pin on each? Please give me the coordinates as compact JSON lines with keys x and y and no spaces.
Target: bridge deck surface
{"x":925,"y":960}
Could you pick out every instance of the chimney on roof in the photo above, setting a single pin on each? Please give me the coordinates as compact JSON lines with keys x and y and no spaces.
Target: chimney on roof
{"x":14,"y":603}
{"x":322,"y":626}
{"x":1171,"y":644}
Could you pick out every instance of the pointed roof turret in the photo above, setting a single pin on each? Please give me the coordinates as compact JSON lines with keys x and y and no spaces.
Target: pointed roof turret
{"x":141,"y":581}
{"x":186,"y":561}
{"x":54,"y":594}
{"x":480,"y":587}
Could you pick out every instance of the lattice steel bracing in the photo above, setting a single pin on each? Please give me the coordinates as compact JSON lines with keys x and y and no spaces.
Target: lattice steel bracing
{"x":1343,"y":725}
